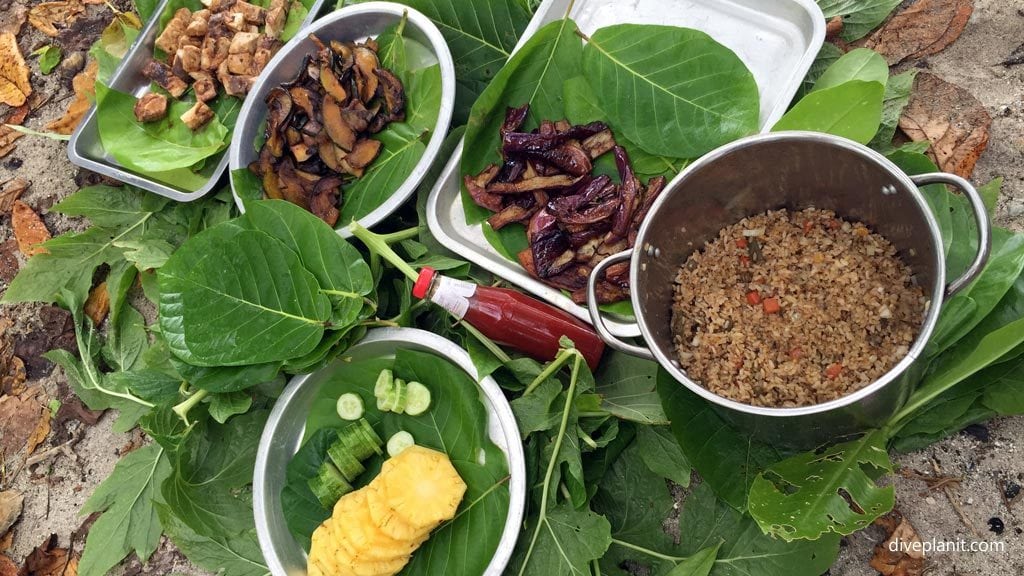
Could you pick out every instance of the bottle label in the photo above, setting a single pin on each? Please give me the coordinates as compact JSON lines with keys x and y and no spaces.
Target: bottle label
{"x":453,"y":295}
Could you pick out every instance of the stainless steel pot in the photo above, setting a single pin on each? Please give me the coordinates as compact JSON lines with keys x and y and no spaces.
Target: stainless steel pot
{"x":286,"y":425}
{"x":794,"y":170}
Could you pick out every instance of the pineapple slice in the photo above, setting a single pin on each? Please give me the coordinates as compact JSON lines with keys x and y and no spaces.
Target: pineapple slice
{"x":385,"y":517}
{"x":362,"y":538}
{"x":422,"y":486}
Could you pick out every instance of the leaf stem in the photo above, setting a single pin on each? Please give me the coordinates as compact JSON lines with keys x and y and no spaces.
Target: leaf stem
{"x":648,"y":551}
{"x":487,"y":342}
{"x":554,"y":366}
{"x":189,"y":403}
{"x":380,"y":245}
{"x":553,"y":461}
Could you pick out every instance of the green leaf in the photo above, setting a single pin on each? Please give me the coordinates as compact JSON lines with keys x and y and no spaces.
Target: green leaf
{"x":814,"y":493}
{"x":210,"y":464}
{"x":859,"y":16}
{"x":128,"y":521}
{"x":726,"y":459}
{"x":402,"y":149}
{"x":228,"y":404}
{"x":567,"y":541}
{"x":1004,"y":390}
{"x":481,"y":35}
{"x":673,"y":91}
{"x":628,"y":388}
{"x":852,"y":110}
{"x":146,"y":254}
{"x":224,"y":379}
{"x":145,"y":8}
{"x":303,"y":512}
{"x":661,"y":453}
{"x":858,"y":64}
{"x":700,"y":564}
{"x":537,"y":411}
{"x":235,"y":554}
{"x":897,"y":95}
{"x":338,"y":267}
{"x":153,"y":146}
{"x":231,"y":297}
{"x":126,"y":338}
{"x":297,"y":13}
{"x":827,"y":55}
{"x":49,"y":57}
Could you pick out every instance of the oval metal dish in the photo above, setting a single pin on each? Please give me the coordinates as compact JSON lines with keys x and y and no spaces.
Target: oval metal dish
{"x":351,"y":23}
{"x":283,"y":433}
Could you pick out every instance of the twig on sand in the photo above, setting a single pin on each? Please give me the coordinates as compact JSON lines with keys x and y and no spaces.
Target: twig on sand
{"x":948,"y":491}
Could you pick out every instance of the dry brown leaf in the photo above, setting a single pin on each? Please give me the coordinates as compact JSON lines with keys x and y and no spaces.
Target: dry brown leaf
{"x":84,"y":85}
{"x":47,"y":16}
{"x":9,"y":135}
{"x":834,"y":28}
{"x":923,"y":28}
{"x":19,"y":419}
{"x":897,"y":555}
{"x":41,"y":431}
{"x":8,"y":260}
{"x":12,"y":18}
{"x":48,"y":559}
{"x":7,"y":566}
{"x":10,"y":508}
{"x":12,"y":369}
{"x":10,"y":192}
{"x":949,"y":117}
{"x":98,"y":304}
{"x":14,"y":85}
{"x":29,"y":229}
{"x":6,"y":541}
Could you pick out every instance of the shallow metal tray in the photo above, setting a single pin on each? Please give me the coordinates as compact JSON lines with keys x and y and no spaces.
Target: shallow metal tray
{"x":86,"y":150}
{"x":777,"y":40}
{"x":355,"y":22}
{"x":282,"y":437}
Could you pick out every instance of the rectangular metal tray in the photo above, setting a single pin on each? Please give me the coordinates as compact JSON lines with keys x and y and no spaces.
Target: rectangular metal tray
{"x":86,"y":150}
{"x":777,"y":40}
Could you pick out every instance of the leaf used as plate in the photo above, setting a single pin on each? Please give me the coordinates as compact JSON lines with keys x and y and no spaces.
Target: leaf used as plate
{"x":859,"y":16}
{"x":858,"y":64}
{"x":832,"y":490}
{"x":673,"y":91}
{"x":231,"y":297}
{"x":852,"y":110}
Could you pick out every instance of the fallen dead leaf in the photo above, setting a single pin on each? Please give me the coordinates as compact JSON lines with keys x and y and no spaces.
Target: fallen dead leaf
{"x":6,"y":541}
{"x":897,"y":556}
{"x":98,"y":304}
{"x":29,"y":229}
{"x":14,"y":85}
{"x":84,"y":85}
{"x":19,"y":419}
{"x":10,"y":192}
{"x":11,"y":502}
{"x":41,"y":431}
{"x":9,"y":135}
{"x":47,"y":16}
{"x":8,"y":260}
{"x":834,"y":27}
{"x":951,"y":119}
{"x":52,"y":328}
{"x":12,"y":369}
{"x":925,"y":27}
{"x":12,"y":18}
{"x":48,"y":559}
{"x":7,"y":566}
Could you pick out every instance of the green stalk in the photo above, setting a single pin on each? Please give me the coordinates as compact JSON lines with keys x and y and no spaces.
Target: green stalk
{"x":183,"y":408}
{"x":648,"y":551}
{"x":487,"y":342}
{"x":380,"y":245}
{"x":554,"y":366}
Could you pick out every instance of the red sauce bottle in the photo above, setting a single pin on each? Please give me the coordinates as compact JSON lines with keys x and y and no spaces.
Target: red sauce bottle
{"x":510,"y":317}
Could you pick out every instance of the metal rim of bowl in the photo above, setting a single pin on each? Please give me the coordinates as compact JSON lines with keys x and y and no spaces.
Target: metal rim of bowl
{"x":927,"y":325}
{"x":253,"y":111}
{"x":501,"y":421}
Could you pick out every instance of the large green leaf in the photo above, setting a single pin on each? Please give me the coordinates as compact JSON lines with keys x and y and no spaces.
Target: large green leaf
{"x":567,"y":542}
{"x":153,"y":146}
{"x":662,"y":454}
{"x":827,"y":55}
{"x":628,"y":388}
{"x":231,"y":296}
{"x":129,"y":520}
{"x":481,"y":35}
{"x":402,"y":148}
{"x":673,"y":91}
{"x":852,"y":110}
{"x":897,"y":95}
{"x":236,"y":554}
{"x":726,"y":459}
{"x":833,"y":490}
{"x":858,"y":64}
{"x":859,"y":16}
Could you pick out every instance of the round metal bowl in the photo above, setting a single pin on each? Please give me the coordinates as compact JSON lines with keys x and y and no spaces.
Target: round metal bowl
{"x":283,"y":433}
{"x":352,"y":23}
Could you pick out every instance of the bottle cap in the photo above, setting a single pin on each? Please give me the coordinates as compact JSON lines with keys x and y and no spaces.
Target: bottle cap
{"x":422,"y":285}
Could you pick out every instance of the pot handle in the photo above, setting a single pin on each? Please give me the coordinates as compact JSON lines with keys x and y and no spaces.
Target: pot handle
{"x":980,"y":217}
{"x":595,"y":312}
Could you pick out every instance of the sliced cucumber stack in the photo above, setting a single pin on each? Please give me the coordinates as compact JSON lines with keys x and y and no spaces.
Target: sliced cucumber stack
{"x":398,"y":396}
{"x":349,"y":466}
{"x":399,"y":442}
{"x":350,"y":406}
{"x":329,"y":485}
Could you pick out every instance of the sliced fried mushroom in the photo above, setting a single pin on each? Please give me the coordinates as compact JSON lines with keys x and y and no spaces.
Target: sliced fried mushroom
{"x":367,"y":64}
{"x":337,"y":128}
{"x":293,"y":188}
{"x":279,"y":111}
{"x":305,"y":99}
{"x":324,"y":201}
{"x":531,"y":184}
{"x":152,"y":106}
{"x":477,"y":188}
{"x":394,"y":94}
{"x":599,"y":144}
{"x":357,"y":116}
{"x":364,"y":152}
{"x":331,"y":83}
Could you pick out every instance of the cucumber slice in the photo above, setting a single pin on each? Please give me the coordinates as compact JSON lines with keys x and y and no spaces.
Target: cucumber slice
{"x":417,"y":399}
{"x":350,"y":406}
{"x":399,"y":442}
{"x":329,"y":485}
{"x":371,"y":435}
{"x":395,"y":399}
{"x":385,"y":384}
{"x":349,"y":466}
{"x":353,"y":437}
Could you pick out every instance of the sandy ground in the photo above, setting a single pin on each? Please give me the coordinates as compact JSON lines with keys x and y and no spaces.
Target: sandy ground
{"x":992,"y":456}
